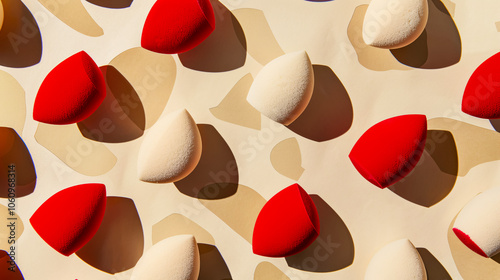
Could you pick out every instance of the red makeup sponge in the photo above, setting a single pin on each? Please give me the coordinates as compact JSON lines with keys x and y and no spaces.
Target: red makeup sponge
{"x":71,"y":217}
{"x":175,"y":26}
{"x":71,"y":92}
{"x":482,"y":93}
{"x":390,"y":149}
{"x":286,"y":225}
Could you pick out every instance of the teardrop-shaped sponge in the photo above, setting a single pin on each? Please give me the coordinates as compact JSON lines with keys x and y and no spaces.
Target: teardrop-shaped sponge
{"x":174,"y":258}
{"x":478,"y":224}
{"x":71,"y":92}
{"x":390,"y":149}
{"x":287,"y":224}
{"x":482,"y":93}
{"x":71,"y":217}
{"x":283,"y":88}
{"x":170,"y":150}
{"x":399,"y":260}
{"x":393,"y":24}
{"x":176,"y":26}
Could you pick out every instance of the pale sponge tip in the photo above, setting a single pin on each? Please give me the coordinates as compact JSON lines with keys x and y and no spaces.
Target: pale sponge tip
{"x":283,"y":88}
{"x":170,"y":150}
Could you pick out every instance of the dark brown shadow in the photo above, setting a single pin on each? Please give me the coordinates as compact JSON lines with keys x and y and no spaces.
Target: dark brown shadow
{"x":15,"y":154}
{"x":112,"y":4}
{"x":435,"y":270}
{"x":224,"y":50}
{"x":329,"y":114}
{"x":216,"y":175}
{"x":119,"y":242}
{"x":8,"y":268}
{"x":495,"y":123}
{"x":20,"y":39}
{"x":435,"y":174}
{"x":333,"y":249}
{"x":439,"y":45}
{"x":120,"y":117}
{"x":212,"y":264}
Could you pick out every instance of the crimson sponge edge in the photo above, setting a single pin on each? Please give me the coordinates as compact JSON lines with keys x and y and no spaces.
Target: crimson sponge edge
{"x":71,"y":217}
{"x":390,"y":149}
{"x":176,"y":26}
{"x":287,"y":224}
{"x":71,"y":92}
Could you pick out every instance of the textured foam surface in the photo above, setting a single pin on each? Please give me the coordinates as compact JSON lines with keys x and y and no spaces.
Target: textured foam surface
{"x":71,"y":92}
{"x":482,"y":93}
{"x":390,"y":149}
{"x":175,"y":26}
{"x":478,"y":224}
{"x":174,"y":258}
{"x":394,"y":24}
{"x":71,"y":217}
{"x":398,"y":260}
{"x":283,"y":88}
{"x":287,"y":224}
{"x":170,"y":150}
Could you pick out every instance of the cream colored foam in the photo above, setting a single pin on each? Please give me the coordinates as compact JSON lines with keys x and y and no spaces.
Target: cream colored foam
{"x":398,"y":260}
{"x":174,"y":258}
{"x":170,"y":150}
{"x":283,"y":88}
{"x":394,"y":24}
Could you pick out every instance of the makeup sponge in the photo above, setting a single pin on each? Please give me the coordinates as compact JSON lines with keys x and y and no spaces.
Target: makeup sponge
{"x":482,"y":93}
{"x":283,"y":88}
{"x":478,"y":224}
{"x":393,"y":24}
{"x":174,"y":258}
{"x":287,"y":224}
{"x":176,"y":26}
{"x":398,"y":260}
{"x":71,"y":92}
{"x":170,"y":150}
{"x":71,"y":217}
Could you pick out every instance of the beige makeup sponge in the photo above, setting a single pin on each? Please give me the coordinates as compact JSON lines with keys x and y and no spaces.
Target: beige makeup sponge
{"x":393,"y":24}
{"x":174,"y":258}
{"x":283,"y":88}
{"x":399,"y":260}
{"x":170,"y":150}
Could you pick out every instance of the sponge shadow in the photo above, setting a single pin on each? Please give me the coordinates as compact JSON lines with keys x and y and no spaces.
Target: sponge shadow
{"x":212,"y":264}
{"x":435,"y":270}
{"x":112,"y":4}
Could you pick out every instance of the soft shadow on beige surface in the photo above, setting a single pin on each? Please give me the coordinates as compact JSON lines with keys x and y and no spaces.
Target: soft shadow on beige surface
{"x":435,"y":174}
{"x":5,"y":217}
{"x":333,"y":250}
{"x":224,"y":50}
{"x":435,"y":270}
{"x":212,"y":264}
{"x":261,"y":43}
{"x":13,"y":105}
{"x":20,"y":39}
{"x":329,"y":114}
{"x":5,"y":264}
{"x":286,"y":159}
{"x":87,"y":157}
{"x":177,"y":224}
{"x":151,"y":75}
{"x":74,"y":14}
{"x":119,"y":242}
{"x":112,"y":4}
{"x":120,"y":117}
{"x":244,"y":203}
{"x":267,"y":271}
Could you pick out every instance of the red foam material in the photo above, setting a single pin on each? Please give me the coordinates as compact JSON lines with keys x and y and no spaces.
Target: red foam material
{"x":176,"y":26}
{"x":482,"y":93}
{"x":71,"y":217}
{"x":390,"y":149}
{"x":71,"y":92}
{"x":468,"y":242}
{"x":287,"y":224}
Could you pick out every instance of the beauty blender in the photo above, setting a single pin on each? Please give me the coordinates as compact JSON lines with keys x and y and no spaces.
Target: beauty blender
{"x":71,"y":217}
{"x":71,"y":92}
{"x":174,"y":258}
{"x":478,"y":224}
{"x":287,"y":224}
{"x":393,"y":24}
{"x":482,"y":93}
{"x":176,"y":26}
{"x":390,"y":149}
{"x":398,"y":260}
{"x":283,"y":88}
{"x":170,"y":150}
{"x":8,"y":267}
